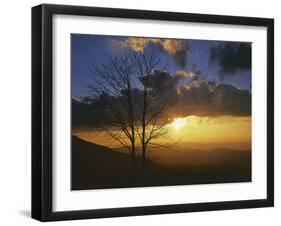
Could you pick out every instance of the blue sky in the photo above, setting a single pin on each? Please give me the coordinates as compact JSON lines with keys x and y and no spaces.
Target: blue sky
{"x":85,"y":48}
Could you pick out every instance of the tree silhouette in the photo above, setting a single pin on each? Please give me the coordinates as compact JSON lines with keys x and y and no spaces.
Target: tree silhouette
{"x":157,"y":91}
{"x":112,"y":81}
{"x":136,"y":95}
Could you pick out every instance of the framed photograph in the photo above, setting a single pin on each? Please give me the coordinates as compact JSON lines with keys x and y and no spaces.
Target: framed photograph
{"x":145,"y":112}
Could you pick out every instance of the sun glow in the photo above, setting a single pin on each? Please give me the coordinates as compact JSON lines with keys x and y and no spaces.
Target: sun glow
{"x":226,"y":131}
{"x":179,"y":123}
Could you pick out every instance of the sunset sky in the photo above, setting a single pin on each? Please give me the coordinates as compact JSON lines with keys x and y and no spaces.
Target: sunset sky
{"x":214,"y":100}
{"x":85,"y":48}
{"x":215,"y":132}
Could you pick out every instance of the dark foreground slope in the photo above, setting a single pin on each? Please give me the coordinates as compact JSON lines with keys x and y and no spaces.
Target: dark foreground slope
{"x":96,"y":166}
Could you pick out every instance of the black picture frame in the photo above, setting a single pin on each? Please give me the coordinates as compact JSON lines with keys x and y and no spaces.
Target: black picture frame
{"x":42,"y":111}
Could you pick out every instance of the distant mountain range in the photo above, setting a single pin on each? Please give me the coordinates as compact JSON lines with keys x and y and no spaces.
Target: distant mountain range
{"x":96,"y":166}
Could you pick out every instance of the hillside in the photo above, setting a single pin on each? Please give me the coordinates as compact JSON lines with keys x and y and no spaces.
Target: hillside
{"x":96,"y":166}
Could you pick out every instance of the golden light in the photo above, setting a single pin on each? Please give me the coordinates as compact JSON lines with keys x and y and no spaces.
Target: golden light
{"x":232,"y":132}
{"x":179,"y":123}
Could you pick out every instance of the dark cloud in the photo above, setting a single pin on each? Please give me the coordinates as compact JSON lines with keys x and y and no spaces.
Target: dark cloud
{"x":178,"y":49}
{"x":181,"y":58}
{"x":231,"y":58}
{"x":89,"y":112}
{"x":161,"y":80}
{"x":197,"y":97}
{"x":204,"y":98}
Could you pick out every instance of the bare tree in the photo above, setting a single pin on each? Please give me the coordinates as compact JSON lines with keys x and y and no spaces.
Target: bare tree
{"x":137,"y":94}
{"x":112,"y":79}
{"x":157,"y":91}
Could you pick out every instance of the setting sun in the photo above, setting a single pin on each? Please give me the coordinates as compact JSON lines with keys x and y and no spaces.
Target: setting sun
{"x":179,"y":123}
{"x":153,"y":113}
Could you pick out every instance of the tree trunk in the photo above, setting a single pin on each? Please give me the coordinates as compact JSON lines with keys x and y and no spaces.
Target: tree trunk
{"x":134,"y":167}
{"x":143,"y":161}
{"x":131,"y":123}
{"x":143,"y":140}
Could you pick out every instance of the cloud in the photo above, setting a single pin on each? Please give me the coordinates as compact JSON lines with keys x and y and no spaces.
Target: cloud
{"x":187,"y":74}
{"x":88,"y":112}
{"x":231,"y":58}
{"x":198,"y":97}
{"x":160,"y":79}
{"x":204,"y":98}
{"x":178,"y":49}
{"x":119,"y":43}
